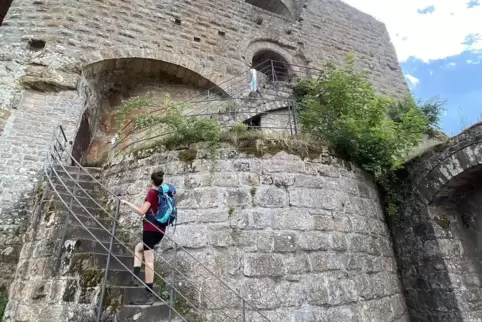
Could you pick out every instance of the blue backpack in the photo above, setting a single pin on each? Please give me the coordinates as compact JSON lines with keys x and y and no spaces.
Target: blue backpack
{"x":166,"y":210}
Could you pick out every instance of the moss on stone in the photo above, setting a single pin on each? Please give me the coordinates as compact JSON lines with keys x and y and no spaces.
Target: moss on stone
{"x":231,"y":212}
{"x":114,"y":303}
{"x":90,"y":275}
{"x":443,"y":222}
{"x":261,"y":144}
{"x":3,"y":301}
{"x":188,"y":155}
{"x":181,"y":305}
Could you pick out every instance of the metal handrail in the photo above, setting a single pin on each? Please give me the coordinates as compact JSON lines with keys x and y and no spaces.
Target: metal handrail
{"x":253,"y":309}
{"x":98,"y":241}
{"x":269,"y":68}
{"x":113,"y":234}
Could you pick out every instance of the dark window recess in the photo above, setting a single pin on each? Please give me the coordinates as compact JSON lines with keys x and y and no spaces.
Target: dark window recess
{"x":254,"y":123}
{"x":274,"y":6}
{"x":4,"y":6}
{"x":82,"y":140}
{"x":177,"y":22}
{"x":221,"y":33}
{"x":197,"y":39}
{"x":272,"y":65}
{"x":36,"y":44}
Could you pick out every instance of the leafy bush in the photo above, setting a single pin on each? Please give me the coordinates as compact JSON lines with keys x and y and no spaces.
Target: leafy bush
{"x":180,"y":129}
{"x":342,"y":107}
{"x":432,"y":109}
{"x":130,"y":105}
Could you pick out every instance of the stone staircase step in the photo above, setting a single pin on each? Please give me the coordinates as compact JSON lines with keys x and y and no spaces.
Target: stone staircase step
{"x":91,"y":246}
{"x":100,"y":260}
{"x":145,"y":313}
{"x":122,"y":277}
{"x":83,"y":172}
{"x":128,"y":293}
{"x":67,"y":187}
{"x":79,"y":210}
{"x":83,"y":199}
{"x":76,"y":231}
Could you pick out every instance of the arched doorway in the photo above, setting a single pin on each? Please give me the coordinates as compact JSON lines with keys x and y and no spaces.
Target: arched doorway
{"x":272,"y":65}
{"x":4,"y":6}
{"x":119,"y":92}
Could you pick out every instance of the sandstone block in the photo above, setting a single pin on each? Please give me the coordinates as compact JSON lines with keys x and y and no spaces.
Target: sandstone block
{"x":284,"y":242}
{"x":315,"y":198}
{"x":271,"y":197}
{"x":263,"y":265}
{"x":315,"y":240}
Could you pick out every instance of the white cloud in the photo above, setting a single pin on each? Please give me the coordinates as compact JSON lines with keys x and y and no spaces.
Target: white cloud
{"x":473,"y":62}
{"x":450,"y":29}
{"x":413,"y":81}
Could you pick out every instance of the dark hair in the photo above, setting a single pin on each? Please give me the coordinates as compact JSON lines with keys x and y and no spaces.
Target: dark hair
{"x":157,"y":177}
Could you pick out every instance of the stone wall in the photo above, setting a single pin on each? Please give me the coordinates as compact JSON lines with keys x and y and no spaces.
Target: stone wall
{"x":45,"y":46}
{"x":438,"y":232}
{"x":301,"y":240}
{"x":39,"y":292}
{"x":23,"y":145}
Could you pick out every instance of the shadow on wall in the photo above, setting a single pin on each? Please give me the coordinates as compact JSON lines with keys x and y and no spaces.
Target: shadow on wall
{"x":107,"y":84}
{"x":273,"y":65}
{"x":4,"y":6}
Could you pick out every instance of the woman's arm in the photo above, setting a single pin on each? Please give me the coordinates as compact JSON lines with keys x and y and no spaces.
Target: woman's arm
{"x":140,"y":211}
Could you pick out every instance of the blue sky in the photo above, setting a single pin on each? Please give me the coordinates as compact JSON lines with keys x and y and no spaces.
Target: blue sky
{"x":439,"y":46}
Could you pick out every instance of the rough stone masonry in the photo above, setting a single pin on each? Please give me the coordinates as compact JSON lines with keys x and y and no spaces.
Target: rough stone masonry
{"x":45,"y":45}
{"x":304,"y":241}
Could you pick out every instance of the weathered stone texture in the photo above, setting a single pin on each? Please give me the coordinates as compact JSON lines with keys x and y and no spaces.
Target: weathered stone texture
{"x":38,"y":293}
{"x":437,"y":239}
{"x":23,"y":146}
{"x":296,"y":244}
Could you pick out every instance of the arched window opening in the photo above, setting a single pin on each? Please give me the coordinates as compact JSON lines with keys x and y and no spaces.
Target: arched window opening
{"x":272,"y":65}
{"x":4,"y":6}
{"x":274,"y":6}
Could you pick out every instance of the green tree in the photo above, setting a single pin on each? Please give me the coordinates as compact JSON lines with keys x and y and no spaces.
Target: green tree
{"x":342,"y":107}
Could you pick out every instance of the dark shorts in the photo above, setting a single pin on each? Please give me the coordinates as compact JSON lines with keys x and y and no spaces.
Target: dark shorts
{"x":151,"y":239}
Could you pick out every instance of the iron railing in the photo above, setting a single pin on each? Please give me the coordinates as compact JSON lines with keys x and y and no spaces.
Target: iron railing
{"x":59,"y":149}
{"x":233,"y":103}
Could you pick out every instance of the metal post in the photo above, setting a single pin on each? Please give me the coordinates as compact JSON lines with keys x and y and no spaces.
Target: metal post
{"x":289,"y":118}
{"x":244,"y":310}
{"x":294,"y":119}
{"x":173,"y":281}
{"x":66,"y":225}
{"x":107,"y":265}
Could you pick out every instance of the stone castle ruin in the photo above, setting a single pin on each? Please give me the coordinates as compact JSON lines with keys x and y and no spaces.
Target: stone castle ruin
{"x":273,"y":237}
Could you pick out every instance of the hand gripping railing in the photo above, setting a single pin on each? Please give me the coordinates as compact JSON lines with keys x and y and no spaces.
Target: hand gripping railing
{"x":56,"y":153}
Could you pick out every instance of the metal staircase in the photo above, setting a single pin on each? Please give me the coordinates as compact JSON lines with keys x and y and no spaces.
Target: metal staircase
{"x":103,"y":257}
